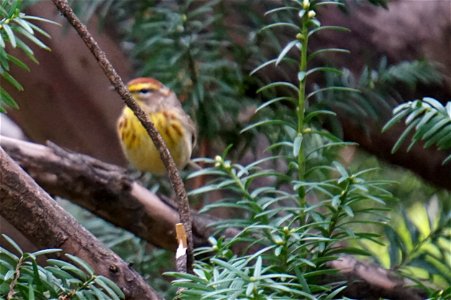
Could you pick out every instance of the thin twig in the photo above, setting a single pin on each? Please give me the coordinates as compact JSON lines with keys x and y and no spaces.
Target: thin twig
{"x":116,"y":81}
{"x":16,"y":277}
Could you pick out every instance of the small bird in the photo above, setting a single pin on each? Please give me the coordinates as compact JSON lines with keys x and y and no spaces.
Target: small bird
{"x":166,"y":113}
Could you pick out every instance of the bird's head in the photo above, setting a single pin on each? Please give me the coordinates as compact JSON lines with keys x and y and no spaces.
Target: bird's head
{"x":147,"y":90}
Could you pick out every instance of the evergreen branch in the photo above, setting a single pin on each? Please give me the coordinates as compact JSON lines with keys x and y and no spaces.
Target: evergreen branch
{"x":430,"y":120}
{"x":379,"y":88}
{"x":14,"y":24}
{"x":412,"y":242}
{"x":54,"y":280}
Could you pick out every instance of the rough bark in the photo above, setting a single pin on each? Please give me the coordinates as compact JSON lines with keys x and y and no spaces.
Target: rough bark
{"x":33,"y":212}
{"x":105,"y":190}
{"x":371,"y":282}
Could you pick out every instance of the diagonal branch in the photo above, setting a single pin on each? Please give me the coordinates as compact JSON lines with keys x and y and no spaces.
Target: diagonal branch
{"x":174,"y":176}
{"x":104,"y":189}
{"x":32,"y":211}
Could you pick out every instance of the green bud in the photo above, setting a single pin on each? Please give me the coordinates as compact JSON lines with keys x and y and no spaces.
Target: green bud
{"x":227,"y":165}
{"x":311,"y":14}
{"x":218,"y":161}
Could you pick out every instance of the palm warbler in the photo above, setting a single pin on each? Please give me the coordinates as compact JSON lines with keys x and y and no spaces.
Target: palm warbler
{"x":166,"y":113}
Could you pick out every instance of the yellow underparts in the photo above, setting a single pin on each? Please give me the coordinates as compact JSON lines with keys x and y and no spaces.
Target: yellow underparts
{"x":139,"y":148}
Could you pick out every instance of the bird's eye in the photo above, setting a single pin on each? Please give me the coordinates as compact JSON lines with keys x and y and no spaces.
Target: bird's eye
{"x":144,"y":91}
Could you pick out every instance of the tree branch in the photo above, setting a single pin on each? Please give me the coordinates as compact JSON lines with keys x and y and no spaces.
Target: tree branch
{"x":116,"y":81}
{"x":31,"y":210}
{"x":104,"y":189}
{"x":425,"y":162}
{"x":369,"y":281}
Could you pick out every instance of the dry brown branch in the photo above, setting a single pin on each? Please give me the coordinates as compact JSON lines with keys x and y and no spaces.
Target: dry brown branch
{"x":30,"y":209}
{"x":94,"y":184}
{"x":369,"y":281}
{"x":174,"y":176}
{"x":105,"y":190}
